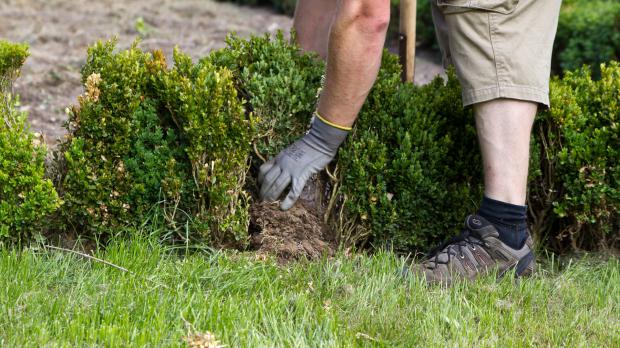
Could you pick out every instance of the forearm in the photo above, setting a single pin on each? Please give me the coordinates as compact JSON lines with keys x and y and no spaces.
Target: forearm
{"x":355,"y":47}
{"x":354,"y":58}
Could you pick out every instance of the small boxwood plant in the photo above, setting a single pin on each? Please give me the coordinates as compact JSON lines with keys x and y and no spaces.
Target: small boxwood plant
{"x":146,"y":142}
{"x":27,"y":197}
{"x":279,"y":82}
{"x":575,"y":192}
{"x":410,"y":173}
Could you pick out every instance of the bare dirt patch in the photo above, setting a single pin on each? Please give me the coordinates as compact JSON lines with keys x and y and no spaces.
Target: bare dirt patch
{"x":60,"y":31}
{"x":290,"y":235}
{"x":299,"y":233}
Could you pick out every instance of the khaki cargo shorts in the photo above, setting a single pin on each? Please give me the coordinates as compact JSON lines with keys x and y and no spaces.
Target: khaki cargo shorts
{"x":500,"y":48}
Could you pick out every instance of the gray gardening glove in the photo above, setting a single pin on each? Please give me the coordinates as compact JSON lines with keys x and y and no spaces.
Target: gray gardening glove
{"x":295,"y":164}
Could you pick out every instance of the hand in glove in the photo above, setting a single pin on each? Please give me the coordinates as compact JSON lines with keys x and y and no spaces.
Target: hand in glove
{"x":295,"y":164}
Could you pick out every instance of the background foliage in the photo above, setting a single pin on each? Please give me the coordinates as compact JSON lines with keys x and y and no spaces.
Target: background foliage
{"x":588,"y":33}
{"x":27,"y":198}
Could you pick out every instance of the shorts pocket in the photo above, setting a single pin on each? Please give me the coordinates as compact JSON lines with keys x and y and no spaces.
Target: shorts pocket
{"x":457,"y":6}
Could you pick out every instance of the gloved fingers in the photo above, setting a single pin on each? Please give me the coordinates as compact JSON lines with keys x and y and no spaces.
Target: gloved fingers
{"x":293,"y":195}
{"x":278,"y":186}
{"x":264,"y":169}
{"x":269,"y":180}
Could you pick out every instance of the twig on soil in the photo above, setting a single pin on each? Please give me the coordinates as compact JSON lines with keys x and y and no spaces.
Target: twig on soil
{"x":332,"y":201}
{"x":89,"y":257}
{"x":333,"y":177}
{"x":334,"y":193}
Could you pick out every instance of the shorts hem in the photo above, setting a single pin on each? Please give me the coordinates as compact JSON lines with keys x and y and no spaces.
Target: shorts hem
{"x":474,"y":96}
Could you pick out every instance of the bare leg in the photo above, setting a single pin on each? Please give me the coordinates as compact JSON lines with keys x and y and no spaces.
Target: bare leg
{"x":500,"y":225}
{"x":504,"y":128}
{"x":355,"y":45}
{"x":313,"y":20}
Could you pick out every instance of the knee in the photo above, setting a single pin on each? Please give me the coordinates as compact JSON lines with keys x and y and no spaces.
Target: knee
{"x":370,"y":16}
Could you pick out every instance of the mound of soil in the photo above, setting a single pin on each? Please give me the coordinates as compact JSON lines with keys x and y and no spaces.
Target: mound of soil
{"x":298,"y":233}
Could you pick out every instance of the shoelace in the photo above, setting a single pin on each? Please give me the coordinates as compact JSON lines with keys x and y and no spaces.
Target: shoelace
{"x":457,"y":243}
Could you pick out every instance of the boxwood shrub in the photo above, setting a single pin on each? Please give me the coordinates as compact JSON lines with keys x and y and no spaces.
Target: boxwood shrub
{"x":575,"y":192}
{"x":148,"y":141}
{"x":216,"y":134}
{"x":410,"y":171}
{"x":279,"y":83}
{"x":27,"y":198}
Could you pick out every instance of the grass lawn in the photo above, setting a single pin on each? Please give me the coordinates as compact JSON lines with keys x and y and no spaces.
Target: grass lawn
{"x":51,"y":298}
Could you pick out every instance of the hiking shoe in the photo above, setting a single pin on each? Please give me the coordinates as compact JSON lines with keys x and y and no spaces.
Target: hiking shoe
{"x":475,"y":252}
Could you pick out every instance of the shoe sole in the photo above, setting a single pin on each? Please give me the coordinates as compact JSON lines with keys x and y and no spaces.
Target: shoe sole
{"x":521,"y":268}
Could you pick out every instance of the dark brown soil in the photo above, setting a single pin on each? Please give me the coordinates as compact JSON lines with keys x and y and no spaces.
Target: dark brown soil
{"x":290,"y":235}
{"x":299,"y":233}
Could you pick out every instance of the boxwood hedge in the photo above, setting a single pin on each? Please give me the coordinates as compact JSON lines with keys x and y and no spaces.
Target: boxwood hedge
{"x":27,"y":198}
{"x":146,"y":141}
{"x":149,"y":143}
{"x":279,"y":84}
{"x":575,"y":189}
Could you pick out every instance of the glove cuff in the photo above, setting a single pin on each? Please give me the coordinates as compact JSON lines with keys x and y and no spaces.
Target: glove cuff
{"x":324,"y":136}
{"x":317,"y":115}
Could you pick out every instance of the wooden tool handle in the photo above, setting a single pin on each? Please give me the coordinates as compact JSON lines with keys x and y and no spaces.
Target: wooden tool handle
{"x":407,"y":38}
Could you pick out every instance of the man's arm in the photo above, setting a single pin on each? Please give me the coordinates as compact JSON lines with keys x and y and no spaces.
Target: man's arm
{"x":356,"y":41}
{"x":355,"y":45}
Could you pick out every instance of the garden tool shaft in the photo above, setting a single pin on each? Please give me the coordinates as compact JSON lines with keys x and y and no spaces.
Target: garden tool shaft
{"x":407,"y":38}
